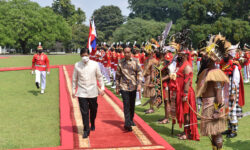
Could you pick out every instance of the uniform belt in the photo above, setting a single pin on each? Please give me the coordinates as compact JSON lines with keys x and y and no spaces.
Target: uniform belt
{"x":105,"y":61}
{"x":41,"y":66}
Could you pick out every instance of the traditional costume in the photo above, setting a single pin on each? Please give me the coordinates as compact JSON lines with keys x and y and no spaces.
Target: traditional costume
{"x":148,"y":74}
{"x":185,"y":97}
{"x":210,"y":84}
{"x":234,"y":91}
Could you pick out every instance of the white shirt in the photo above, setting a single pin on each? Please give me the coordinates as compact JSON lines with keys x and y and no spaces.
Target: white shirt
{"x":85,"y":76}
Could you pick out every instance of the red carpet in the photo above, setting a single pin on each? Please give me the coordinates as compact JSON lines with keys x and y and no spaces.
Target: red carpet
{"x":109,"y":131}
{"x":4,"y":57}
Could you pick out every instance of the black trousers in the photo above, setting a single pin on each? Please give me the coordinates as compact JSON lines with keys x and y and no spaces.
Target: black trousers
{"x":128,"y":106}
{"x":88,"y":105}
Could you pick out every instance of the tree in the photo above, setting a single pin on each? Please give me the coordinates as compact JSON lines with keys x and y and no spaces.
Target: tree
{"x":237,"y":9}
{"x":107,"y":19}
{"x":159,"y":10}
{"x":80,"y":34}
{"x":26,"y":24}
{"x":204,"y":17}
{"x":67,"y":10}
{"x":138,"y":30}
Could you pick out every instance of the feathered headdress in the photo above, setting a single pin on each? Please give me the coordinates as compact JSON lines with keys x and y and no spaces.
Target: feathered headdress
{"x":217,"y":47}
{"x":181,"y":41}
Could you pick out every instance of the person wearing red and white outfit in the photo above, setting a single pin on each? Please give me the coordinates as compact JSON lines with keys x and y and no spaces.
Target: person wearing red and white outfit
{"x":106,"y":63}
{"x":40,"y":67}
{"x":246,"y":65}
{"x":113,"y":59}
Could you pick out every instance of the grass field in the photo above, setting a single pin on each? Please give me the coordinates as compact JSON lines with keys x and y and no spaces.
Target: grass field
{"x":29,"y":119}
{"x":20,"y":61}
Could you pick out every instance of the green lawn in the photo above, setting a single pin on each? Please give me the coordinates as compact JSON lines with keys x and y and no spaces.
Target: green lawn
{"x":29,"y":119}
{"x":21,"y":61}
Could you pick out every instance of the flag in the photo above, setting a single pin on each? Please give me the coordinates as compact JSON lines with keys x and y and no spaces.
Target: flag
{"x":92,"y":37}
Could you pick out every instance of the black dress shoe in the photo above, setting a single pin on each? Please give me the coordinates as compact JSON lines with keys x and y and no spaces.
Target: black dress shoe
{"x":85,"y":134}
{"x":128,"y":128}
{"x":226,"y":132}
{"x":231,"y":135}
{"x":37,"y":85}
{"x":92,"y":128}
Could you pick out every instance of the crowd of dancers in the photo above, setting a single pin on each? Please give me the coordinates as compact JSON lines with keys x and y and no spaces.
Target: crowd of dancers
{"x":168,"y":78}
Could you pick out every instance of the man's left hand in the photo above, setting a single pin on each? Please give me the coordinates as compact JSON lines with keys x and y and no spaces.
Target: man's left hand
{"x":138,"y":88}
{"x":48,"y":72}
{"x":101,"y":92}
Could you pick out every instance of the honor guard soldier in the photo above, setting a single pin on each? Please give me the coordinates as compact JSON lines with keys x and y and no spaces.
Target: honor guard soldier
{"x":40,"y":66}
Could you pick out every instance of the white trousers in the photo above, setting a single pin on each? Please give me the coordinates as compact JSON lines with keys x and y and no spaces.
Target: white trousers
{"x":198,"y":65}
{"x":114,"y":73}
{"x":246,"y":72}
{"x":107,"y":73}
{"x":41,"y":75}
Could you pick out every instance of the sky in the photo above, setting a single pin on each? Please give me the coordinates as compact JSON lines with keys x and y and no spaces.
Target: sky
{"x":88,"y":6}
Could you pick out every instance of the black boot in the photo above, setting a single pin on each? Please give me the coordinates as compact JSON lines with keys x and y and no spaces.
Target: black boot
{"x":37,"y":85}
{"x":85,"y":134}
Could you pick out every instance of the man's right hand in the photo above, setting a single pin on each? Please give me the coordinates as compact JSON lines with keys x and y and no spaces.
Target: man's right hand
{"x":117,"y":90}
{"x":32,"y":72}
{"x":73,"y":95}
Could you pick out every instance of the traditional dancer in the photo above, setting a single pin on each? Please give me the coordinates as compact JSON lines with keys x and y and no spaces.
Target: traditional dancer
{"x":148,"y":74}
{"x":40,"y":66}
{"x":210,"y":89}
{"x":185,"y":101}
{"x":234,"y":91}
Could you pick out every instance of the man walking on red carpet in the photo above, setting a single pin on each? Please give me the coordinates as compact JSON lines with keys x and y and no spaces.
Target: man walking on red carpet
{"x":128,"y":82}
{"x":85,"y":76}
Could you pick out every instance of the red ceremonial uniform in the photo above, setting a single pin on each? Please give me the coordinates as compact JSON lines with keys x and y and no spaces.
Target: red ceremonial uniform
{"x":40,"y":62}
{"x":122,"y":55}
{"x":247,"y":58}
{"x":106,"y":59}
{"x":137,"y":56}
{"x":102,"y":57}
{"x":142,"y":59}
{"x":117,"y":59}
{"x":112,"y":59}
{"x":169,"y":56}
{"x":237,"y":56}
{"x":97,"y":56}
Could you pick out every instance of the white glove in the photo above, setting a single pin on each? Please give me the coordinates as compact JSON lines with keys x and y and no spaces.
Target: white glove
{"x":48,"y":73}
{"x":32,"y":72}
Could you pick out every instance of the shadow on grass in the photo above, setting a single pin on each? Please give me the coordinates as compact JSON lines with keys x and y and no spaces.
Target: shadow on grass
{"x":180,"y":146}
{"x":35,"y":93}
{"x":237,"y":145}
